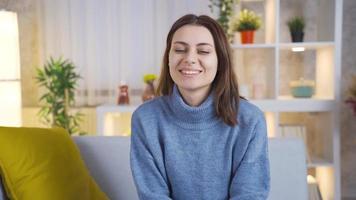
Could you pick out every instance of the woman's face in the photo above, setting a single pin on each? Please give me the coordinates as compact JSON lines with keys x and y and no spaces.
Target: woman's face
{"x":192,"y":59}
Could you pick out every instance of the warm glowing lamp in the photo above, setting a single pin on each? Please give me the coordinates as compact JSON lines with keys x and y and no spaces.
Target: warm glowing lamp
{"x":10,"y":85}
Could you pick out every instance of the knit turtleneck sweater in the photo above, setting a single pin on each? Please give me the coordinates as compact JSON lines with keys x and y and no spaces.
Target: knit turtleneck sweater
{"x":181,"y":152}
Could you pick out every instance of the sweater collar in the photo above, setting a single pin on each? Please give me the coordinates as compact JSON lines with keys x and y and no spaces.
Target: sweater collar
{"x":186,"y":116}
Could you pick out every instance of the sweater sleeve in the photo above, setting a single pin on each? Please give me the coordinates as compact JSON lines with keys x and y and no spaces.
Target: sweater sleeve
{"x":251,"y":180}
{"x":149,"y":175}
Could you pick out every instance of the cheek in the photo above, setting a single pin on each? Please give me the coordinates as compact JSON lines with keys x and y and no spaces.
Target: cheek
{"x":211,"y":64}
{"x":173,"y":60}
{"x":172,"y":63}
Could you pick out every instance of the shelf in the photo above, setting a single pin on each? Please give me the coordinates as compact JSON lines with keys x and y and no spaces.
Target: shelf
{"x":282,"y":104}
{"x":319,"y":162}
{"x":306,"y":45}
{"x":108,"y":108}
{"x":290,"y":104}
{"x":252,"y":46}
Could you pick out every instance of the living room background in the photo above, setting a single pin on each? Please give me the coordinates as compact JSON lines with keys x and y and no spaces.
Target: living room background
{"x":32,"y":52}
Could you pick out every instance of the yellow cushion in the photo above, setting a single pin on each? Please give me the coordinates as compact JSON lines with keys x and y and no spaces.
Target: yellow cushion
{"x":43,"y":164}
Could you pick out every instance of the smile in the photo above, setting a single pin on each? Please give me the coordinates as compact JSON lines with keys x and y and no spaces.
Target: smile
{"x":190,"y":72}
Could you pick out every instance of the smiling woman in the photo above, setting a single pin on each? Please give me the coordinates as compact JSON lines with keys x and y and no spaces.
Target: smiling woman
{"x":199,"y":139}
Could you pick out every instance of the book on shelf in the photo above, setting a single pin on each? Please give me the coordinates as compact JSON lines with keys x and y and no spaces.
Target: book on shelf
{"x":296,"y":131}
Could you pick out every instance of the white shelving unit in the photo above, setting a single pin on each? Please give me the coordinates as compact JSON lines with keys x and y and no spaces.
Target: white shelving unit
{"x":307,"y":45}
{"x":271,"y":62}
{"x":295,"y":105}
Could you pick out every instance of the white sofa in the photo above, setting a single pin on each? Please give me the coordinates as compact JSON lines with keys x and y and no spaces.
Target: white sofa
{"x":108,"y":161}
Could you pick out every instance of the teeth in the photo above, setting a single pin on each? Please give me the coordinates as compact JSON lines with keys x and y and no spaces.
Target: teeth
{"x":190,"y":72}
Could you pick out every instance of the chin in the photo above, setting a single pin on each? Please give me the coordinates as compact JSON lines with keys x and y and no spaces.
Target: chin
{"x":192,"y":87}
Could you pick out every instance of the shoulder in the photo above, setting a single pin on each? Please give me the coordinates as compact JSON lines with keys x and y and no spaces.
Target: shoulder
{"x":149,"y":109}
{"x":249,"y":113}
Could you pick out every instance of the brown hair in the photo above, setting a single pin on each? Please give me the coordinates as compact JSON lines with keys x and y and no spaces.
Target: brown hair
{"x":225,"y":87}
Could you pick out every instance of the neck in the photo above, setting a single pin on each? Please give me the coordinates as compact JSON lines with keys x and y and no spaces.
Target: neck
{"x":191,"y":117}
{"x":194,"y":97}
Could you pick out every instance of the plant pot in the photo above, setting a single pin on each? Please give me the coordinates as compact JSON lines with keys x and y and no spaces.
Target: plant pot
{"x":247,"y":37}
{"x":297,"y":36}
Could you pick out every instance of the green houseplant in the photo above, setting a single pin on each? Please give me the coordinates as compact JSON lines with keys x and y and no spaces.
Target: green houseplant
{"x":296,"y":28}
{"x":225,"y":8}
{"x":59,"y":79}
{"x":247,"y":22}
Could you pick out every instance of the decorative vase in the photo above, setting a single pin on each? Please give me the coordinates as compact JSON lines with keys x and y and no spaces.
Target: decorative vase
{"x":247,"y":37}
{"x":123,"y":95}
{"x":297,"y":36}
{"x":302,"y":88}
{"x":149,"y":91}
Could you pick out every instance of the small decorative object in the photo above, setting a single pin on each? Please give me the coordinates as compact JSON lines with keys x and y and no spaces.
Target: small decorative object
{"x":59,"y":79}
{"x":296,"y":28}
{"x":149,"y":91}
{"x":352,"y":95}
{"x":302,"y":88}
{"x":123,"y":95}
{"x":246,"y":23}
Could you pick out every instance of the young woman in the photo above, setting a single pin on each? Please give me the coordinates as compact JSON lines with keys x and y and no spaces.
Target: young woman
{"x":199,"y":139}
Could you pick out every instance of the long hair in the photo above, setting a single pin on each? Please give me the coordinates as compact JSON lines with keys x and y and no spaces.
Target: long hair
{"x":224,"y":86}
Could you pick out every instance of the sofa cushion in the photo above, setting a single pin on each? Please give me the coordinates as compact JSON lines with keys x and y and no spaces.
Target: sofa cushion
{"x":108,"y":160}
{"x":38,"y":163}
{"x":288,"y":169}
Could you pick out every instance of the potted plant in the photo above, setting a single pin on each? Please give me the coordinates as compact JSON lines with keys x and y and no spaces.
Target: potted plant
{"x":59,"y":79}
{"x":225,"y":9}
{"x":296,"y":28}
{"x":149,"y":91}
{"x":247,"y":22}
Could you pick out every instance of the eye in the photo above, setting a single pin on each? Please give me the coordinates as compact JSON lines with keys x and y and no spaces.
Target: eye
{"x":204,"y":52}
{"x":179,"y":50}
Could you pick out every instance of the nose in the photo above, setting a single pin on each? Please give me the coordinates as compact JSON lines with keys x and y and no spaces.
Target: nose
{"x":191,"y":58}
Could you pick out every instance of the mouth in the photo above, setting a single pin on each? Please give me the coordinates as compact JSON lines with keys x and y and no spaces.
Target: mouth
{"x":190,"y":72}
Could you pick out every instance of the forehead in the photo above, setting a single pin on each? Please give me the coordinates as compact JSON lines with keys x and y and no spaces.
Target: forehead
{"x":193,"y":34}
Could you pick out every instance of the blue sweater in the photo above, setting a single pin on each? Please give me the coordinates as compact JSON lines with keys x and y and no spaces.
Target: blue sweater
{"x":181,"y":152}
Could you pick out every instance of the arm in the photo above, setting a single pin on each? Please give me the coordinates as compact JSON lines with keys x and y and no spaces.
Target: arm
{"x":149,"y":175}
{"x":251,"y":180}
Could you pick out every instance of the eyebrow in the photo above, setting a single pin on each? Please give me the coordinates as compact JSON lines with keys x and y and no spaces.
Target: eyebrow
{"x":186,"y":44}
